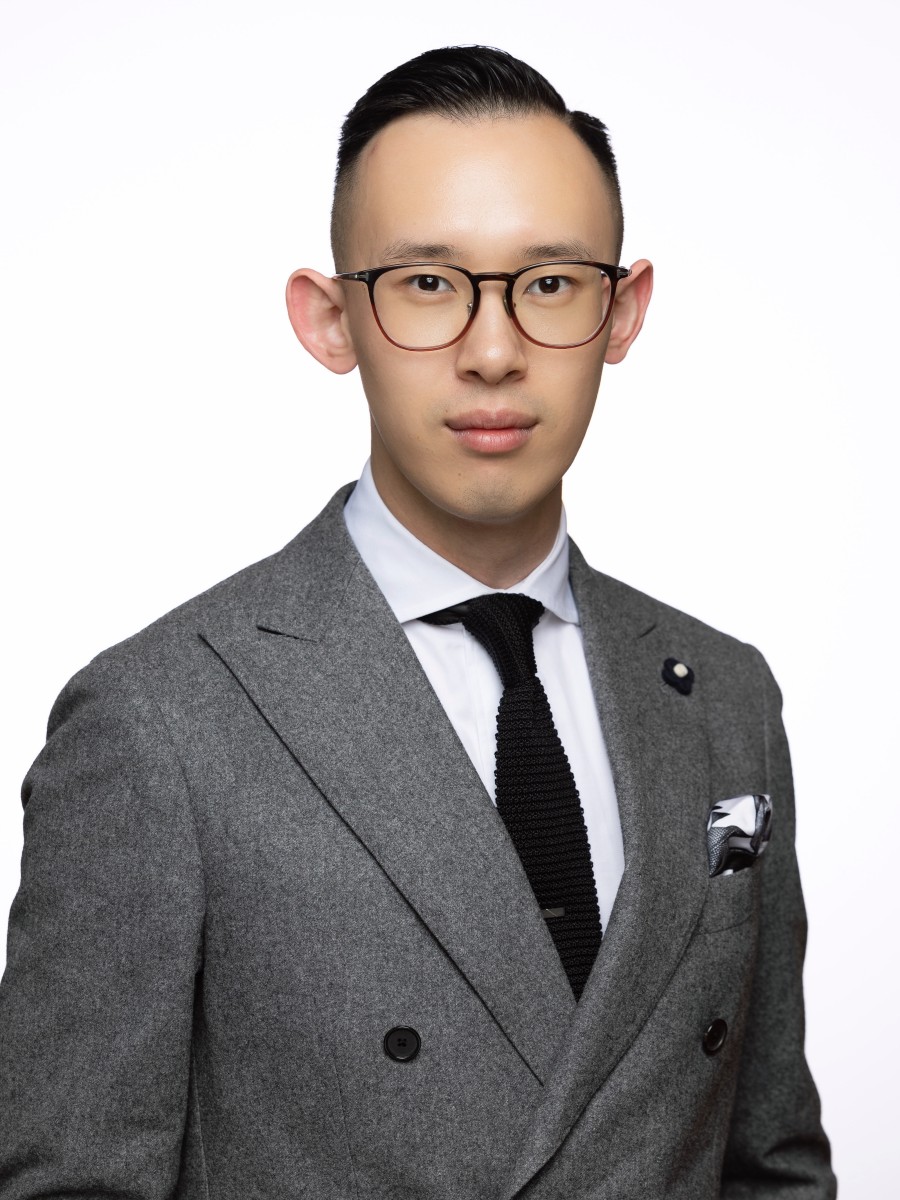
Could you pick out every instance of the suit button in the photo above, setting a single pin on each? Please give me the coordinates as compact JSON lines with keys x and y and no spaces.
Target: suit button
{"x":402,"y":1043}
{"x":714,"y":1038}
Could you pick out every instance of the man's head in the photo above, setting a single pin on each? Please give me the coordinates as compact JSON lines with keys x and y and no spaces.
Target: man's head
{"x":478,"y":432}
{"x":462,"y":83}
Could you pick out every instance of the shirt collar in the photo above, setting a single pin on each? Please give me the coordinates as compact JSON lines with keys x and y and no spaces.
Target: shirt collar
{"x":415,"y":580}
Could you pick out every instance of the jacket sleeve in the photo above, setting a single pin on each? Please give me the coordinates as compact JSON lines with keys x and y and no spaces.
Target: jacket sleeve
{"x":777,"y":1149}
{"x":104,"y":943}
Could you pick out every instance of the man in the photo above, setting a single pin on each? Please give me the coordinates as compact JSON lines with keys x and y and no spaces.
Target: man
{"x":326,"y":891}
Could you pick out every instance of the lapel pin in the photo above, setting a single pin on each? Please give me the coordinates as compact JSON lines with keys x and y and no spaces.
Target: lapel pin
{"x":678,"y":675}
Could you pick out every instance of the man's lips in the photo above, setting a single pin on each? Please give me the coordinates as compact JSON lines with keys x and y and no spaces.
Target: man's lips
{"x":495,"y":418}
{"x":492,"y":431}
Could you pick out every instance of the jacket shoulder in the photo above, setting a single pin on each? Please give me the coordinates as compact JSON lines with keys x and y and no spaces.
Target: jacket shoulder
{"x":170,"y":653}
{"x":640,"y":607}
{"x":735,"y":672}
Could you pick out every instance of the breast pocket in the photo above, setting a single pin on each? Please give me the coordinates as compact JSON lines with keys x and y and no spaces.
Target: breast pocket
{"x":731,"y":899}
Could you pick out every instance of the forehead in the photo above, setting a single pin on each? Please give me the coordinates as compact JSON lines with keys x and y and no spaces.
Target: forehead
{"x":487,"y":189}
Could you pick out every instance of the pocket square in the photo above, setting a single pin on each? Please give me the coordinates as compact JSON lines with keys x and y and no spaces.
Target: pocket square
{"x":737,"y":833}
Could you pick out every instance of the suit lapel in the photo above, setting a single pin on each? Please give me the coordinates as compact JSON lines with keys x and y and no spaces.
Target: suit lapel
{"x":657,"y":743}
{"x":332,"y":672}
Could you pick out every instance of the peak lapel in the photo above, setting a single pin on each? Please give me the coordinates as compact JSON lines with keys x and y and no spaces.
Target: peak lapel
{"x":657,"y":743}
{"x":333,"y":673}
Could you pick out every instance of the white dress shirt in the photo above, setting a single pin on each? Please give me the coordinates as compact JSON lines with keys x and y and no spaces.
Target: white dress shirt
{"x":416,"y":581}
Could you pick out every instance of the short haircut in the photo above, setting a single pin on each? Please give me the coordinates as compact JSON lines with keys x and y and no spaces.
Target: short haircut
{"x":465,"y":83}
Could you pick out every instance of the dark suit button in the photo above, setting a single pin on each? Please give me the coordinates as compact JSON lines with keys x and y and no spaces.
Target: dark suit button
{"x":714,"y":1038}
{"x":402,"y":1043}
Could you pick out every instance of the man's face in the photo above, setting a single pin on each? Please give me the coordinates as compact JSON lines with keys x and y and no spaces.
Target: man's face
{"x":486,"y":428}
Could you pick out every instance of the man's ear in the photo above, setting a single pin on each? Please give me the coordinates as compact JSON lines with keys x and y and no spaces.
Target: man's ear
{"x":315,"y":306}
{"x":629,"y":308}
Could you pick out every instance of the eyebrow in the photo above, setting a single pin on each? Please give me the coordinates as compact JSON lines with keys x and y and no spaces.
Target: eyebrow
{"x":550,"y":250}
{"x":408,"y":251}
{"x":404,"y":251}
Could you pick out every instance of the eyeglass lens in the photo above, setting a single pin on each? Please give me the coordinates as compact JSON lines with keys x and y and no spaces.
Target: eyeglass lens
{"x":424,"y":306}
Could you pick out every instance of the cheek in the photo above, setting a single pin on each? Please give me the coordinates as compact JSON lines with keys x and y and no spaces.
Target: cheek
{"x":588,"y":368}
{"x":571,"y":389}
{"x":398,"y":395}
{"x":403,"y":389}
{"x":381,"y":376}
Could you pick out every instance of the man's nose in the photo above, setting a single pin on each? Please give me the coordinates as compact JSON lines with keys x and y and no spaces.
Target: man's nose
{"x":492,"y":349}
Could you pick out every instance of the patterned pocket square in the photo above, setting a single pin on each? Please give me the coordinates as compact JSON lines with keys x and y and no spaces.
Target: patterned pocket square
{"x":737,"y":833}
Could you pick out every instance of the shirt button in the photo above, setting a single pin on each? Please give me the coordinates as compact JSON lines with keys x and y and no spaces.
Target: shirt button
{"x":402,"y":1043}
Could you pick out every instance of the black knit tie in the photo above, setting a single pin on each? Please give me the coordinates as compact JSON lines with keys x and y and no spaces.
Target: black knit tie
{"x":536,"y":793}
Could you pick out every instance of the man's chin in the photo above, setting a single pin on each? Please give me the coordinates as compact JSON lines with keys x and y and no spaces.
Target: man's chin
{"x":501,"y":503}
{"x":485,"y":498}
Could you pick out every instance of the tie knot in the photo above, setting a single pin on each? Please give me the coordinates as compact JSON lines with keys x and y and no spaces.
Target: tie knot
{"x":502,"y":622}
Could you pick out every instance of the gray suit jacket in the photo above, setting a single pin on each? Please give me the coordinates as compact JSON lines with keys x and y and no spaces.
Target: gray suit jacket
{"x":254,"y":845}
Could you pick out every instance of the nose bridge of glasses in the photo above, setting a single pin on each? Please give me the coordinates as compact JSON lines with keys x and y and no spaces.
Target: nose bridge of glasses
{"x":492,"y":277}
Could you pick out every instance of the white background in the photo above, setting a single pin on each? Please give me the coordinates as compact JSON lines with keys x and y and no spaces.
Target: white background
{"x":166,"y":165}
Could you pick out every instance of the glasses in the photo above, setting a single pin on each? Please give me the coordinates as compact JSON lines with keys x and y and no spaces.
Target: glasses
{"x":428,"y":306}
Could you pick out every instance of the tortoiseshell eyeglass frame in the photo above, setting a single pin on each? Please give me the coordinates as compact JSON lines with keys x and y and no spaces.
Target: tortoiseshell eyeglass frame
{"x":371,"y":275}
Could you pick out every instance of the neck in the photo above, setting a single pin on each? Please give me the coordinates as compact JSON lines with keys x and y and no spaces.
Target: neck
{"x":498,"y":552}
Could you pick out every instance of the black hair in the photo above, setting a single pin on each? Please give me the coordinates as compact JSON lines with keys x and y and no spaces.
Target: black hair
{"x":465,"y":82}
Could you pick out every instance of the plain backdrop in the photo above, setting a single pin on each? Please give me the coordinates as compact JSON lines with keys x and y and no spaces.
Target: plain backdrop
{"x":165,"y":166}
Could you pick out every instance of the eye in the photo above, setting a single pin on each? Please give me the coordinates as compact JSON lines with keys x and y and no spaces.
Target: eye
{"x":549,"y":285}
{"x":428,"y":284}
